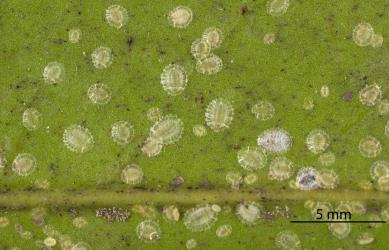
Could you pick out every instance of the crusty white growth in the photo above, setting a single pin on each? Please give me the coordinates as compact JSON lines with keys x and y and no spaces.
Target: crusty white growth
{"x":200,"y":218}
{"x":78,"y":139}
{"x":275,"y":140}
{"x":174,"y":79}
{"x":219,"y":114}
{"x":307,"y":179}
{"x":169,"y":129}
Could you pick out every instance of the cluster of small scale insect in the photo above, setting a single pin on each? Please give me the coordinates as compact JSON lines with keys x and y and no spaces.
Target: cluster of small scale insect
{"x":364,"y":35}
{"x":64,"y":241}
{"x":167,"y":130}
{"x":379,"y":172}
{"x":208,"y":63}
{"x":341,"y":230}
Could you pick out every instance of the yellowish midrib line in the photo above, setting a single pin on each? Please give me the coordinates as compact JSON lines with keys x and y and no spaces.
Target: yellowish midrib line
{"x":109,"y":198}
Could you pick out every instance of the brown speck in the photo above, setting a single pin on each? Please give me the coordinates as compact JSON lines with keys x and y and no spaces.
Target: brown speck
{"x":235,"y":146}
{"x":348,"y":96}
{"x":243,"y":10}
{"x":130,"y":40}
{"x":199,"y":99}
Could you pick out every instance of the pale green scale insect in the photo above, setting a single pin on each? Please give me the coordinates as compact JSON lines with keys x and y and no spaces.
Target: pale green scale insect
{"x":370,"y":95}
{"x":31,"y":119}
{"x":78,"y":139}
{"x":340,"y":230}
{"x":102,"y":57}
{"x":365,"y":238}
{"x":152,"y":146}
{"x":383,"y":183}
{"x":248,"y":213}
{"x":81,"y":246}
{"x":148,"y":231}
{"x":213,"y":36}
{"x":209,"y":65}
{"x":326,"y":159}
{"x":277,"y":7}
{"x":263,"y":110}
{"x":281,"y":168}
{"x":378,"y":169}
{"x":169,"y":129}
{"x":327,"y":179}
{"x":377,"y":40}
{"x":288,"y":240}
{"x":75,"y":35}
{"x":383,"y":107}
{"x":252,"y":158}
{"x":116,"y":16}
{"x":24,"y":164}
{"x":317,"y":141}
{"x":363,"y":34}
{"x":132,"y":174}
{"x":122,"y":132}
{"x":99,"y":94}
{"x":54,"y":73}
{"x":180,"y":17}
{"x":191,"y":244}
{"x":269,"y":38}
{"x":224,"y":231}
{"x":200,"y":49}
{"x":199,"y":130}
{"x":370,"y":147}
{"x":200,"y":218}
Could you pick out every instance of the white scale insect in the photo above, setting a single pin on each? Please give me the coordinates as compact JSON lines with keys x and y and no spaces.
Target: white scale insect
{"x":219,"y":114}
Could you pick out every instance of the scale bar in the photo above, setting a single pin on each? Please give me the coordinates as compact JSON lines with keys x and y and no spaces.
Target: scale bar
{"x":337,"y":221}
